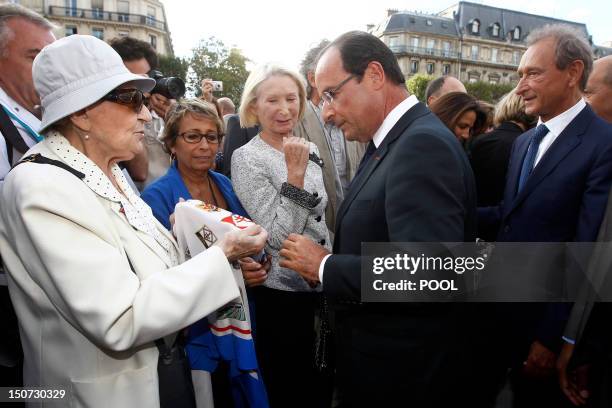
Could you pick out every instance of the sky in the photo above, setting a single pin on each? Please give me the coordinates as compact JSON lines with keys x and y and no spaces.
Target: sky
{"x":284,"y":30}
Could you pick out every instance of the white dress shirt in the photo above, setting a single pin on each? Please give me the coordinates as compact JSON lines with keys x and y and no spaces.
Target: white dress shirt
{"x":556,"y":126}
{"x":28,"y":118}
{"x":390,"y":120}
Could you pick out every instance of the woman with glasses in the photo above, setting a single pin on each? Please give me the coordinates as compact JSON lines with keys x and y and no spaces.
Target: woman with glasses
{"x":279,"y":180}
{"x":192,"y":135}
{"x":94,"y":278}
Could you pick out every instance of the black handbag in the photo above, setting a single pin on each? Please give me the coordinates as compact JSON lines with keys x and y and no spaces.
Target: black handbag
{"x":175,"y":383}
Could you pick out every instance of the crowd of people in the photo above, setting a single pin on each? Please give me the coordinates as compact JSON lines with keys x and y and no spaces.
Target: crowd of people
{"x":93,"y":163}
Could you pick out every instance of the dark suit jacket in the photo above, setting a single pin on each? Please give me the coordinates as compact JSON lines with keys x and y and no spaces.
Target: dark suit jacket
{"x":489,"y":156}
{"x":417,"y":187}
{"x":235,"y":137}
{"x":563,"y":200}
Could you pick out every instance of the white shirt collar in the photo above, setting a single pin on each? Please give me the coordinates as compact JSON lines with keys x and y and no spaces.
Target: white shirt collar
{"x":23,"y":114}
{"x":558,"y":124}
{"x":138,"y":214}
{"x":392,"y":118}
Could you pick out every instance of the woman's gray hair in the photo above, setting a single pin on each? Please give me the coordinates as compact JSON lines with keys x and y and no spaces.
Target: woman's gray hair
{"x":8,"y":11}
{"x":570,"y":45}
{"x":309,"y":63}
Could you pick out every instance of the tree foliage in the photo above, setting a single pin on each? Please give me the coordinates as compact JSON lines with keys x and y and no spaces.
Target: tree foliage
{"x":488,"y":92}
{"x":417,"y":84}
{"x":213,"y":59}
{"x":174,"y":66}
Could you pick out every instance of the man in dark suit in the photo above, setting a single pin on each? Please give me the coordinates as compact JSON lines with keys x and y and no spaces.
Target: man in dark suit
{"x":235,"y":137}
{"x":557,"y":188}
{"x":414,"y":185}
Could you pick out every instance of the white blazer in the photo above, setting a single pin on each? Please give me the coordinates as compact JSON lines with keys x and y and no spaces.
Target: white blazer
{"x":88,"y":322}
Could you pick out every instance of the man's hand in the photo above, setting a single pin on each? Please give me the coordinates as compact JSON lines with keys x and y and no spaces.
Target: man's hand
{"x":573,"y":383}
{"x":254,"y":273}
{"x":302,"y":255}
{"x":540,"y":362}
{"x":160,"y":104}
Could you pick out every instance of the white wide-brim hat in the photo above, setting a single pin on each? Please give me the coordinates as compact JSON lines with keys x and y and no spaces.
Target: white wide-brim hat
{"x":74,"y":72}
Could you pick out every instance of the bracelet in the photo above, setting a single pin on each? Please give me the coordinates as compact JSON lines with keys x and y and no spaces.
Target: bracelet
{"x":300,"y":196}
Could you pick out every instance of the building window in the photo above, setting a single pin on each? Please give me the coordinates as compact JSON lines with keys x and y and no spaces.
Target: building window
{"x":431,"y":43}
{"x":475,"y":27}
{"x":98,"y":33}
{"x":446,"y":47}
{"x":415,"y":42}
{"x":151,"y":15}
{"x":153,"y":41}
{"x":393,"y":42}
{"x":431,"y":67}
{"x":474,"y":52}
{"x":494,"y":52}
{"x":516,"y":34}
{"x":516,"y":57}
{"x":494,"y":79}
{"x":414,"y":66}
{"x":97,"y":9}
{"x":428,"y":22}
{"x":71,"y":7}
{"x":495,"y":30}
{"x":446,"y":69}
{"x":70,"y":30}
{"x":473,"y":77}
{"x":123,"y":10}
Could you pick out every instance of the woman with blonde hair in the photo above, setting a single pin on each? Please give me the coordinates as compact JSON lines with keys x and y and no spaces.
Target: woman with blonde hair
{"x":279,"y":181}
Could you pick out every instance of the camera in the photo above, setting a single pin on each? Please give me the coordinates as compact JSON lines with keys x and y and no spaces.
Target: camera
{"x":170,"y":87}
{"x":217,"y":86}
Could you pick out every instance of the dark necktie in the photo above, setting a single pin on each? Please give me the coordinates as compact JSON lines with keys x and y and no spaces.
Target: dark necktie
{"x":366,"y":156}
{"x":532,"y":152}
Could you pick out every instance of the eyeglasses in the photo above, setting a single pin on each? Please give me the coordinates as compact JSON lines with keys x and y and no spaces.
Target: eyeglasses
{"x":133,"y":98}
{"x":195,"y":137}
{"x":328,"y":96}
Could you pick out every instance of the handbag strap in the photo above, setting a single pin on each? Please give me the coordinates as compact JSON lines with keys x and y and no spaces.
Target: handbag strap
{"x":11,"y":136}
{"x":40,"y":159}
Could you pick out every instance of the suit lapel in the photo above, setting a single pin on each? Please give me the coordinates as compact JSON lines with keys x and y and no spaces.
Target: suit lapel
{"x":567,"y":141}
{"x":357,"y":184}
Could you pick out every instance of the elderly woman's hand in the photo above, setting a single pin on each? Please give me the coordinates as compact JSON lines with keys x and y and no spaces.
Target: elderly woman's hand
{"x":296,"y":152}
{"x":240,"y":244}
{"x":255,"y":273}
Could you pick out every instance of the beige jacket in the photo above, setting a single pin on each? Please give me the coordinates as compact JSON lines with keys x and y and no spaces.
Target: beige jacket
{"x":87,"y":321}
{"x":311,"y":129}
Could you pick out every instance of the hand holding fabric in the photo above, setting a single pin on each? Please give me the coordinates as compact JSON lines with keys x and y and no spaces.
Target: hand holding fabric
{"x":302,"y":255}
{"x":240,"y":244}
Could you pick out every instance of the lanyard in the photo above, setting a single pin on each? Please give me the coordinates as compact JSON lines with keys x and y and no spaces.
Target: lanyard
{"x":34,"y":135}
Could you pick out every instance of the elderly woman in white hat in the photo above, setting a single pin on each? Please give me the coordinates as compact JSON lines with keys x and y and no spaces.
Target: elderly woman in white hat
{"x":94,"y":278}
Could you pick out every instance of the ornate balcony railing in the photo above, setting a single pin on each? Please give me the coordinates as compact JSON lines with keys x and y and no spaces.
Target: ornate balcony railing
{"x":98,"y":14}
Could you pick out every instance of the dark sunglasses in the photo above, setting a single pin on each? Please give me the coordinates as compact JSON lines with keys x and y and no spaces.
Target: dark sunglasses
{"x":133,"y":98}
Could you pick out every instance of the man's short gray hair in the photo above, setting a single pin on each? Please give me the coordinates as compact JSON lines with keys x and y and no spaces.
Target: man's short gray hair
{"x":8,"y":11}
{"x":309,"y":63}
{"x":571,"y":45}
